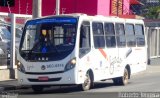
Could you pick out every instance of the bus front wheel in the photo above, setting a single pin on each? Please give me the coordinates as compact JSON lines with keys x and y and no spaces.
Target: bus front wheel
{"x":86,"y":85}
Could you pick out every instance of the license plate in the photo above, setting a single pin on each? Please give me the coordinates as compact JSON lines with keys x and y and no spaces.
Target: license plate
{"x":43,"y":78}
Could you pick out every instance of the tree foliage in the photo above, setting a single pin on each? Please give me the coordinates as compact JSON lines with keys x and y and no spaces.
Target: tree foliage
{"x":153,"y":13}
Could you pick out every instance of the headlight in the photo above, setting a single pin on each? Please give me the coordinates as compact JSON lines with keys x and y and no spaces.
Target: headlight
{"x":70,"y":65}
{"x":20,"y":67}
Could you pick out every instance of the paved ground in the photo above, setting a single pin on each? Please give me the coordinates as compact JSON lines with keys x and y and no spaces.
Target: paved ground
{"x":145,"y":81}
{"x":13,"y":85}
{"x":155,"y":61}
{"x":8,"y":85}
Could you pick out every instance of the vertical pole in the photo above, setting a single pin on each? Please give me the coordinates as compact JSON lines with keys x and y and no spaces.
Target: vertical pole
{"x":36,"y":8}
{"x":117,"y":7}
{"x":19,"y":7}
{"x":148,"y":38}
{"x":12,"y":59}
{"x":8,"y":6}
{"x":57,"y":7}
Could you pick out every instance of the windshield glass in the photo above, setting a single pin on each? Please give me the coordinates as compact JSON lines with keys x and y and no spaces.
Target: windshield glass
{"x":48,"y":39}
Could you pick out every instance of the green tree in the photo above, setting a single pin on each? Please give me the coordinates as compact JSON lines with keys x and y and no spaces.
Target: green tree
{"x":153,"y":13}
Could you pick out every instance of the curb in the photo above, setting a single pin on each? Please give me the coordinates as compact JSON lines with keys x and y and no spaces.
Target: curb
{"x":2,"y":89}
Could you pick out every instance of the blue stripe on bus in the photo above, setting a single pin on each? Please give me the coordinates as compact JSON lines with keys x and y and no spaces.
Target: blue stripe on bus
{"x":53,"y":20}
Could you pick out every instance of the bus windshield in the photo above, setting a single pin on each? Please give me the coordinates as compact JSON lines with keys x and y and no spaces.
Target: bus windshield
{"x":48,"y":39}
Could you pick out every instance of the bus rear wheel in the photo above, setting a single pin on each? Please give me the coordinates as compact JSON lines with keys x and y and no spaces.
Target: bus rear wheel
{"x":122,"y":80}
{"x":125,"y":77}
{"x":37,"y":88}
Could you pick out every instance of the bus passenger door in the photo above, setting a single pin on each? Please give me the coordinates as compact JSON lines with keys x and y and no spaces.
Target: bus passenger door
{"x":84,"y":50}
{"x":111,"y":49}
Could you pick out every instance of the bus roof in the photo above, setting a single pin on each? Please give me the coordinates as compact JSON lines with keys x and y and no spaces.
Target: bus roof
{"x":96,"y":18}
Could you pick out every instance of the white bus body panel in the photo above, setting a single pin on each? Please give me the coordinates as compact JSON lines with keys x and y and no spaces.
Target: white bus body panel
{"x":105,"y":63}
{"x":57,"y":67}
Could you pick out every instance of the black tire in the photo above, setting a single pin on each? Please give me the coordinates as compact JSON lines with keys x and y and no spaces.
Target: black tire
{"x":37,"y":88}
{"x":88,"y":83}
{"x":122,"y":80}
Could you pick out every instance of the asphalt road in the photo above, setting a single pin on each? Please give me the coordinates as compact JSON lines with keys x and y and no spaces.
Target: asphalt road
{"x":147,"y":81}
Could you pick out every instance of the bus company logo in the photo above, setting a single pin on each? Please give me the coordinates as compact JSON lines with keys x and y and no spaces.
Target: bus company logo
{"x":43,"y":67}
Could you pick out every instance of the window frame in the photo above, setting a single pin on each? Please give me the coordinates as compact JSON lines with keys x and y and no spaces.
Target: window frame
{"x":129,"y":42}
{"x":120,"y":35}
{"x":84,"y":50}
{"x":112,"y":36}
{"x":98,"y":36}
{"x":140,"y":35}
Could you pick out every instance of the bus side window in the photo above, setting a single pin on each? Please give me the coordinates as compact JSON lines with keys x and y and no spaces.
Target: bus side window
{"x":120,"y":35}
{"x":110,"y":34}
{"x":98,"y":35}
{"x":130,"y":36}
{"x":139,"y":32}
{"x":84,"y":45}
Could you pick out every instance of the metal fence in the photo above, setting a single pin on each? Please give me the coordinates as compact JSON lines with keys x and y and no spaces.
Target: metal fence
{"x":153,"y":38}
{"x":7,"y":59}
{"x":153,"y":41}
{"x":3,"y":60}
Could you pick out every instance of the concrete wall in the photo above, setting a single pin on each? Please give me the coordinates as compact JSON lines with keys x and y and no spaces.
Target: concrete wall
{"x":126,"y":6}
{"x":48,"y":8}
{"x":66,"y":6}
{"x":86,"y":6}
{"x":5,"y":74}
{"x":90,"y":7}
{"x":19,"y":9}
{"x":103,"y":7}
